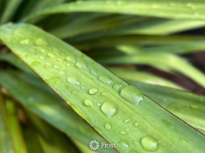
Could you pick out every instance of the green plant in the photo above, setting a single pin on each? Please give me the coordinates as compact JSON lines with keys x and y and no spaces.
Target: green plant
{"x":36,"y":119}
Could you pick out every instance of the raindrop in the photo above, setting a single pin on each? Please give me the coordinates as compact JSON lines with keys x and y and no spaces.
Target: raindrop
{"x":122,"y":132}
{"x":68,"y":64}
{"x":105,"y":79}
{"x":25,"y":42}
{"x":56,"y":67}
{"x":42,"y":50}
{"x":149,"y":143}
{"x":117,"y":86}
{"x":132,"y":95}
{"x":53,"y":80}
{"x":109,"y":109}
{"x":103,"y":94}
{"x":42,"y":57}
{"x":40,"y":42}
{"x":136,"y":124}
{"x":81,"y":65}
{"x":73,"y":81}
{"x":59,"y":59}
{"x":124,"y":143}
{"x":47,"y":66}
{"x":98,"y":104}
{"x":28,"y":56}
{"x":93,"y":91}
{"x":93,"y":72}
{"x":35,"y":63}
{"x":88,"y":102}
{"x":70,"y":58}
{"x":135,"y":142}
{"x":108,"y":126}
{"x":167,"y":123}
{"x":50,"y":55}
{"x":74,"y":92}
{"x":193,"y":106}
{"x":61,"y":72}
{"x":127,"y":120}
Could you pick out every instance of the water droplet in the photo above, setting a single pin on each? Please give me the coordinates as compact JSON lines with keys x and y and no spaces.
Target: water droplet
{"x":149,"y":143}
{"x":183,"y":140}
{"x":108,"y":126}
{"x":53,"y":80}
{"x":25,"y":42}
{"x":109,"y":109}
{"x":59,"y":59}
{"x":167,"y":123}
{"x":93,"y":72}
{"x":124,"y":143}
{"x":103,"y":94}
{"x":122,"y":132}
{"x":47,"y":66}
{"x":74,"y":92}
{"x":99,"y":104}
{"x":104,"y":79}
{"x":193,"y":106}
{"x":98,"y":129}
{"x":132,"y":95}
{"x":136,"y":124}
{"x":42,"y":57}
{"x":135,"y":142}
{"x":82,"y":87}
{"x":55,"y":49}
{"x":61,"y":72}
{"x":117,"y":86}
{"x":93,"y":91}
{"x":68,"y":64}
{"x":126,"y":121}
{"x":50,"y":55}
{"x":41,"y":42}
{"x":88,"y":102}
{"x":132,"y":151}
{"x":42,"y":50}
{"x":56,"y":67}
{"x":35,"y":63}
{"x":28,"y":56}
{"x":81,"y":65}
{"x":73,"y":81}
{"x":70,"y":58}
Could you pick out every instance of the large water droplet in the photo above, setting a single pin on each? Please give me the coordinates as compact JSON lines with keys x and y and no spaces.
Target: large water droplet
{"x":73,"y":81}
{"x":25,"y":42}
{"x":108,"y":126}
{"x":70,"y":58}
{"x":167,"y":123}
{"x":88,"y":102}
{"x":81,"y":65}
{"x":132,"y":95}
{"x":149,"y":143}
{"x":124,"y":143}
{"x":109,"y":109}
{"x":93,"y":91}
{"x":35,"y":63}
{"x":41,"y":42}
{"x":104,"y":79}
{"x":117,"y":86}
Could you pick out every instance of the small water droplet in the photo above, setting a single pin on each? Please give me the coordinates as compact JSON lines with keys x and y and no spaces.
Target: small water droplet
{"x":47,"y":66}
{"x":25,"y":42}
{"x":61,"y":72}
{"x":93,"y":91}
{"x":42,"y":57}
{"x":132,"y":151}
{"x":35,"y":63}
{"x":183,"y":140}
{"x":99,"y":104}
{"x":74,"y":92}
{"x":167,"y":123}
{"x":109,"y":109}
{"x":73,"y":81}
{"x":132,"y":95}
{"x":59,"y":59}
{"x":71,"y":58}
{"x":93,"y":72}
{"x":108,"y":126}
{"x":98,"y":129}
{"x":81,"y":65}
{"x":41,"y":42}
{"x":42,"y":50}
{"x":122,"y":132}
{"x":136,"y":124}
{"x":53,"y":80}
{"x":117,"y":86}
{"x":50,"y":55}
{"x":126,"y":121}
{"x":135,"y":142}
{"x":124,"y":143}
{"x":68,"y":64}
{"x":88,"y":102}
{"x":104,"y":79}
{"x":28,"y":56}
{"x":56,"y":67}
{"x":103,"y":94}
{"x":193,"y":106}
{"x":149,"y":143}
{"x":55,"y":49}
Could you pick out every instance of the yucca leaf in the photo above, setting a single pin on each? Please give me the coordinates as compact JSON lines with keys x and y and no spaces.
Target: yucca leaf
{"x":5,"y":141}
{"x":15,"y":127}
{"x":36,"y":96}
{"x":80,"y":82}
{"x":183,"y":9}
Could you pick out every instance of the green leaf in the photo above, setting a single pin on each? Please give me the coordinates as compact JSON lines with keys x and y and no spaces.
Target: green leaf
{"x":183,"y":9}
{"x":5,"y":141}
{"x":187,"y":106}
{"x":35,"y":95}
{"x":82,"y":83}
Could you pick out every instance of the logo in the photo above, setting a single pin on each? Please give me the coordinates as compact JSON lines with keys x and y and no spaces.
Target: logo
{"x":94,"y":145}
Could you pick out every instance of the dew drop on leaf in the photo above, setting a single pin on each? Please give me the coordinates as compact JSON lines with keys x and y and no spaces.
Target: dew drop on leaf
{"x":81,"y":65}
{"x":108,"y":126}
{"x":88,"y":102}
{"x":109,"y":109}
{"x":40,"y":42}
{"x":50,"y":55}
{"x":149,"y":143}
{"x":122,"y":132}
{"x":104,"y":79}
{"x":117,"y":86}
{"x":70,"y":58}
{"x":74,"y":92}
{"x":93,"y":91}
{"x":124,"y":143}
{"x":25,"y":42}
{"x":73,"y":81}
